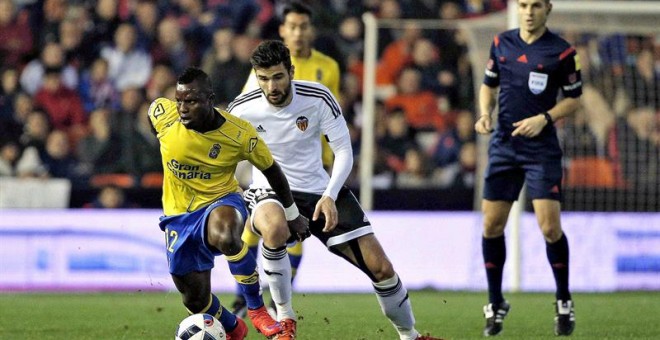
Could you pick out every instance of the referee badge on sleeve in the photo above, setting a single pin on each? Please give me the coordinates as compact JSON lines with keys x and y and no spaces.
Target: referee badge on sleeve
{"x":537,"y":82}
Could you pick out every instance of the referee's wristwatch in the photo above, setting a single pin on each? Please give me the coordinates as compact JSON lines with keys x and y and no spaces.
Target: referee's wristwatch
{"x":548,"y":117}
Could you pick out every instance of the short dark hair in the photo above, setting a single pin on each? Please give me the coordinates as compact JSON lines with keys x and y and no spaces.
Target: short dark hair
{"x":296,"y":7}
{"x":270,"y":53}
{"x":192,"y":74}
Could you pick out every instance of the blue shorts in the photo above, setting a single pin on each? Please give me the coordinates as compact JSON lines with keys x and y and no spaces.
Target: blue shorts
{"x":185,"y":239}
{"x":507,"y":172}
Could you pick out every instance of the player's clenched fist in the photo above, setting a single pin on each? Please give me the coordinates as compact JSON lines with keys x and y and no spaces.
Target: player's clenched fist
{"x":484,"y":125}
{"x":299,"y":228}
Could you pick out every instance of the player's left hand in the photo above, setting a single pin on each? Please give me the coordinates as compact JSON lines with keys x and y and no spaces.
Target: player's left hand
{"x":529,"y":127}
{"x":327,"y":207}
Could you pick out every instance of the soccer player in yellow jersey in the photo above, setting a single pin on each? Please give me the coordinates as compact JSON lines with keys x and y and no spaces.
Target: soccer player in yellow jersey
{"x":204,"y":213}
{"x":297,"y":32}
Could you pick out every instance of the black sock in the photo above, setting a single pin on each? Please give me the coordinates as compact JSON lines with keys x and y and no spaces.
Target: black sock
{"x":494,"y":252}
{"x":558,"y":257}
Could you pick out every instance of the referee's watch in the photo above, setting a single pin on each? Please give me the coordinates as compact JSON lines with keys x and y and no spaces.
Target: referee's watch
{"x":548,"y":117}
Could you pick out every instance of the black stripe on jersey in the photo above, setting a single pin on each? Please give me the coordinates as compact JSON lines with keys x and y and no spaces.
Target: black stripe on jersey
{"x":254,"y":94}
{"x":305,"y":90}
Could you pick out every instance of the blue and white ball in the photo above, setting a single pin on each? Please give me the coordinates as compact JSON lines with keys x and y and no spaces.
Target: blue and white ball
{"x":200,"y":327}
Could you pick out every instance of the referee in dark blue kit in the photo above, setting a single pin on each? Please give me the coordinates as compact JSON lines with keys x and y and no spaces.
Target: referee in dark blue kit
{"x":526,"y":69}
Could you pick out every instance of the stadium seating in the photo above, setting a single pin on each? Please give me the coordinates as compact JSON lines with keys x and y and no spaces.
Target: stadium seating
{"x":591,"y":172}
{"x":121,"y":180}
{"x":152,"y":180}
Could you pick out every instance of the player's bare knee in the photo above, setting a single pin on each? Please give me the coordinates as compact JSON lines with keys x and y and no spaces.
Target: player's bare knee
{"x":275,"y":235}
{"x":493,"y":229}
{"x":384,"y":271}
{"x":224,"y":237}
{"x":493,"y":226}
{"x":551,"y":233}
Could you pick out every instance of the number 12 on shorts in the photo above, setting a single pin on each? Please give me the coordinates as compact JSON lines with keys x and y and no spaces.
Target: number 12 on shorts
{"x":171,"y":236}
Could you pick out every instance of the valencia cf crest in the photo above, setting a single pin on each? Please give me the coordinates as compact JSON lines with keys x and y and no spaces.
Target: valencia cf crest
{"x":302,"y":122}
{"x":215,"y":151}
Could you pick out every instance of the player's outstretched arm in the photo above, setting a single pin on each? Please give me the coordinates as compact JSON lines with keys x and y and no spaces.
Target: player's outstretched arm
{"x":298,"y":224}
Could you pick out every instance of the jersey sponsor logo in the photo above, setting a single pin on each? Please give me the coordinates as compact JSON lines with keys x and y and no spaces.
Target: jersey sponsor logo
{"x":247,"y":279}
{"x":302,"y":122}
{"x":522,"y":59}
{"x":215,"y":151}
{"x":186,"y":171}
{"x":158,"y":110}
{"x":537,"y":82}
{"x":260,"y":128}
{"x":572,"y":78}
{"x":253,"y":144}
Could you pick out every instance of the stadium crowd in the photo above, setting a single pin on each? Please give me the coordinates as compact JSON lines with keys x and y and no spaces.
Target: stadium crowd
{"x":77,"y":77}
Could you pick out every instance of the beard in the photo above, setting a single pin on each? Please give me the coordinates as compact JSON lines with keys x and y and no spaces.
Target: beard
{"x":278,"y":98}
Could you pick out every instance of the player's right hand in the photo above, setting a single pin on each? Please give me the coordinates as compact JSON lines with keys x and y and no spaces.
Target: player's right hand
{"x":484,"y":125}
{"x":299,"y":229}
{"x":327,"y":207}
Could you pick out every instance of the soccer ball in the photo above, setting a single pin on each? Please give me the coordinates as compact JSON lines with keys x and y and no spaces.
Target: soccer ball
{"x":200,"y":327}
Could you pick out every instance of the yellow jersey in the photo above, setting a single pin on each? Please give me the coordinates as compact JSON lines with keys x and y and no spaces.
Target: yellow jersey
{"x":199,"y":167}
{"x":319,"y":68}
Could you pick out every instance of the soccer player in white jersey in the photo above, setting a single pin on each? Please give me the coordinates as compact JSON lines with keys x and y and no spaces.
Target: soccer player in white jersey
{"x":289,"y":115}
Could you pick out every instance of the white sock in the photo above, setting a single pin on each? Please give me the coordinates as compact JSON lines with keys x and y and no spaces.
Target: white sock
{"x":278,"y":274}
{"x":395,"y":304}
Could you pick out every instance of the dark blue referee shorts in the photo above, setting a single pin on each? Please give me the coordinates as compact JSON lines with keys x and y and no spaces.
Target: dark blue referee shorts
{"x":508,"y":170}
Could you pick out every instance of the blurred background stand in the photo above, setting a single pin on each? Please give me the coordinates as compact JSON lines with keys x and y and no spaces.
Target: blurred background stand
{"x":34,"y":193}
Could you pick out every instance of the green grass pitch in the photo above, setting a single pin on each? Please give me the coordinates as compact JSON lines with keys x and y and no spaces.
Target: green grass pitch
{"x":451,"y":315}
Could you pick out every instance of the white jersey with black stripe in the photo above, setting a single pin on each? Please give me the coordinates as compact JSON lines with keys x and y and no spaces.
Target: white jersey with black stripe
{"x":292,"y":132}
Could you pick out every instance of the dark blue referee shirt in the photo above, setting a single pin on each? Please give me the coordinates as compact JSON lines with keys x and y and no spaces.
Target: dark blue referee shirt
{"x":529,"y":77}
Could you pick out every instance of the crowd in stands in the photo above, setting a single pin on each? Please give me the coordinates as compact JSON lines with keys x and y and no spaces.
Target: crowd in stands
{"x":77,"y":78}
{"x":616,"y":135}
